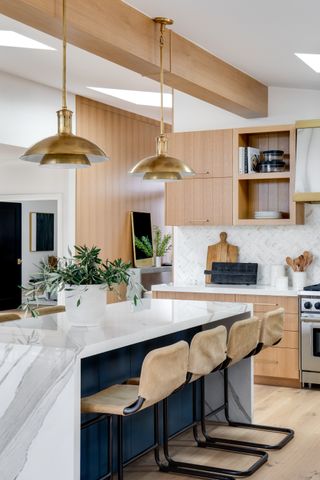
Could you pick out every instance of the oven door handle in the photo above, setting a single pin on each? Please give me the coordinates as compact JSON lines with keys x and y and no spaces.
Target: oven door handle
{"x":311,"y":320}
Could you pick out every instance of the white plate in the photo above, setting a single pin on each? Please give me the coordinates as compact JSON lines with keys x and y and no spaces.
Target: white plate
{"x":267,"y":214}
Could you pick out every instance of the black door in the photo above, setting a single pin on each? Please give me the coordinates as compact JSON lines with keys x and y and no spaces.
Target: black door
{"x":10,"y":255}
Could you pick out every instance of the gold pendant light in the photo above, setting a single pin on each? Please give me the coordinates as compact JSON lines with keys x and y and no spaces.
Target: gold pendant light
{"x":64,"y":150}
{"x":162,"y":166}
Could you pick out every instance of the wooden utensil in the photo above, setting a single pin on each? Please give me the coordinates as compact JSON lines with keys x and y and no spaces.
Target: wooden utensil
{"x":308,"y":258}
{"x":221,"y":252}
{"x":291,"y":263}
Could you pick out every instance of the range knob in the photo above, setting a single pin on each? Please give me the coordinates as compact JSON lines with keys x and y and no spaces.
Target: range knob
{"x":307,"y":305}
{"x":317,"y":305}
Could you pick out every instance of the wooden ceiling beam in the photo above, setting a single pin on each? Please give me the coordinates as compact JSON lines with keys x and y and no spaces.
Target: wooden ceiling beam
{"x":117,"y":32}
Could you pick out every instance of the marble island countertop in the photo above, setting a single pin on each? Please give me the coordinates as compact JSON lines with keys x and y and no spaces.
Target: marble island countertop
{"x":226,"y":289}
{"x":40,"y":377}
{"x":123,"y":325}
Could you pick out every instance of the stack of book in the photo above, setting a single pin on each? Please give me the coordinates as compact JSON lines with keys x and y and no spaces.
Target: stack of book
{"x":248,"y":159}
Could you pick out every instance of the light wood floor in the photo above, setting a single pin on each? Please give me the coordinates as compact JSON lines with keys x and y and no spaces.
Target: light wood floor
{"x":299,"y":460}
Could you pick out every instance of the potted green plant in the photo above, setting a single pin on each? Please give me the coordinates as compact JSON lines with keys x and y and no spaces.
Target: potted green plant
{"x":162,"y":244}
{"x":84,"y":278}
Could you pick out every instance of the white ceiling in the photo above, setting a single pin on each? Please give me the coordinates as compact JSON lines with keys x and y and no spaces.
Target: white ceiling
{"x":258,"y":37}
{"x":84,"y":70}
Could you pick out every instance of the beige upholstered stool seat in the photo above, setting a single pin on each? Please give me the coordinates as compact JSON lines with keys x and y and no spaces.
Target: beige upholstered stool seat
{"x":163,"y":371}
{"x":50,"y":310}
{"x":272,"y":327}
{"x":208,"y":350}
{"x":112,"y":400}
{"x":243,"y":338}
{"x":7,"y":316}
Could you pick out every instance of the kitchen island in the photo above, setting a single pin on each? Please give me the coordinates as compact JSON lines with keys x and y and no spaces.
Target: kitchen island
{"x":46,"y":365}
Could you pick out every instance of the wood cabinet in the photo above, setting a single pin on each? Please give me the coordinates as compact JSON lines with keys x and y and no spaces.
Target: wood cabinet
{"x":199,"y":202}
{"x":266,"y":191}
{"x":278,"y":365}
{"x":205,"y":199}
{"x":214,"y":155}
{"x":209,"y":153}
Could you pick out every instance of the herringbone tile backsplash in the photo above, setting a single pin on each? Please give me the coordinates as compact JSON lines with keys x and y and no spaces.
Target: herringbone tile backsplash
{"x":264,"y":245}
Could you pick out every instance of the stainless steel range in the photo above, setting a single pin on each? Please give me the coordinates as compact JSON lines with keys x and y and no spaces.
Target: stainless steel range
{"x":310,"y":336}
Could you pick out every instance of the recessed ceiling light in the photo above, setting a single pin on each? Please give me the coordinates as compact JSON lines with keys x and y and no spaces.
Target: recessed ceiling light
{"x":311,"y":59}
{"x":9,"y":38}
{"x":151,"y":99}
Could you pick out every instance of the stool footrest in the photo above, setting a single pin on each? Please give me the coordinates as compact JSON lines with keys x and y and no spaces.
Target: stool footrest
{"x":193,"y":470}
{"x":287,"y":432}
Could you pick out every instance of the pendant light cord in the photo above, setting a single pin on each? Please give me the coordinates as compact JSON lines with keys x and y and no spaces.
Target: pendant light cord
{"x":162,"y":29}
{"x":64,"y":55}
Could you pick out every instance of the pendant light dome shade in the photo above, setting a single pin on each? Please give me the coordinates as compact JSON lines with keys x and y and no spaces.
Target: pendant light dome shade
{"x":162,"y":166}
{"x":64,"y":150}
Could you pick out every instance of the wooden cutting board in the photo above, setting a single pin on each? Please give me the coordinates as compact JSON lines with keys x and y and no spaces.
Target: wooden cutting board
{"x":221,"y":252}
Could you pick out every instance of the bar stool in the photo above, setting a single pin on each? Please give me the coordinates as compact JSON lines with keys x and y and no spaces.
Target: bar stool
{"x":163,"y":371}
{"x":7,"y":316}
{"x":50,"y":310}
{"x":207,"y":354}
{"x":271,"y":333}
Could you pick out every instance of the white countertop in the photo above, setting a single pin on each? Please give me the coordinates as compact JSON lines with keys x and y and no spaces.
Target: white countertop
{"x":123,"y":325}
{"x":227,"y":289}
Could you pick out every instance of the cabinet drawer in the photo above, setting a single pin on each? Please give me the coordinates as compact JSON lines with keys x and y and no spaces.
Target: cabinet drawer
{"x":265,"y":303}
{"x":277,"y":362}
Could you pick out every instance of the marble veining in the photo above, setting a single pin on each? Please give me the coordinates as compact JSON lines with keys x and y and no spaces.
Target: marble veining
{"x":265,"y":245}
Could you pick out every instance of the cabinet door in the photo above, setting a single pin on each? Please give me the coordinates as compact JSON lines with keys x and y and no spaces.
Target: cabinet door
{"x":174,"y":203}
{"x":199,"y":202}
{"x":209,"y":153}
{"x":208,"y":201}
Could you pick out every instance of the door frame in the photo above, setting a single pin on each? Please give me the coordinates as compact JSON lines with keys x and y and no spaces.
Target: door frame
{"x":16,"y":198}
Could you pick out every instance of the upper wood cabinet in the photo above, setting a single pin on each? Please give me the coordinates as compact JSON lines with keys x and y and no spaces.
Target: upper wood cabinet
{"x":254,"y":192}
{"x":199,"y":201}
{"x":205,"y":199}
{"x":209,"y":153}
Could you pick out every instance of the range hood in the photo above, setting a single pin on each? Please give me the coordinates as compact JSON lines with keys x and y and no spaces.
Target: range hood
{"x":307,"y":178}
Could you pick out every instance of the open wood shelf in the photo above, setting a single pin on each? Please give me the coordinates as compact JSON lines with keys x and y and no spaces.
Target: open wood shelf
{"x":264,"y":176}
{"x":266,"y":191}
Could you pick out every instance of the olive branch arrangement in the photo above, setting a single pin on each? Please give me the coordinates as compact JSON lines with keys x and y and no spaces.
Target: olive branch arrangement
{"x":85,"y":267}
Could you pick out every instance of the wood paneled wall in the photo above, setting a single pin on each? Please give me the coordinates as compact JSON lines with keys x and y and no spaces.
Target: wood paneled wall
{"x":105,"y":192}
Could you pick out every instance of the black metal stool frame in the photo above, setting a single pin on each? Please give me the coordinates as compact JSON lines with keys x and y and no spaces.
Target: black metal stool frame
{"x":155,"y":447}
{"x":199,"y":470}
{"x":211,"y":441}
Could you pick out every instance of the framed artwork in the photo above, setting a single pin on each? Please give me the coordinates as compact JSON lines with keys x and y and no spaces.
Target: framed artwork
{"x":41,"y":232}
{"x":141,"y":229}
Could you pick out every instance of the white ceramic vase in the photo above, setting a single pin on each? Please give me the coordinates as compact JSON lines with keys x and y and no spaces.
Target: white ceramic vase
{"x":158,"y":261}
{"x":91,"y":310}
{"x":299,"y":280}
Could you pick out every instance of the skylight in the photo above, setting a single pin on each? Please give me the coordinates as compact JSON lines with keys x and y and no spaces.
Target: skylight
{"x":311,"y":59}
{"x":9,"y":38}
{"x":151,"y":99}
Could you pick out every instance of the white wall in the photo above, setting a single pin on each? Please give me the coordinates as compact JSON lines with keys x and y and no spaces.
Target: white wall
{"x":286,"y":105}
{"x":28,"y":114}
{"x":30,"y":260}
{"x":28,"y":110}
{"x":265,"y":245}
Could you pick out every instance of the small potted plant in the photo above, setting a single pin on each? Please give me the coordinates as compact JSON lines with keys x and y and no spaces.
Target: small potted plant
{"x":162,"y":244}
{"x":84,"y":278}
